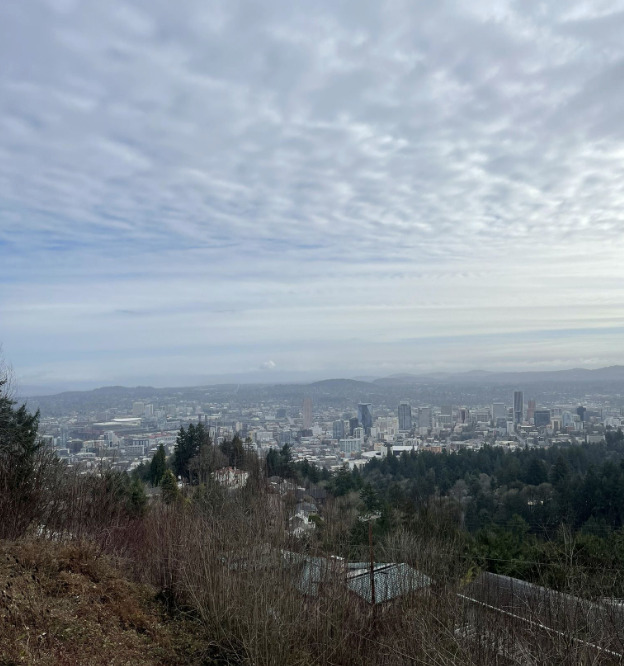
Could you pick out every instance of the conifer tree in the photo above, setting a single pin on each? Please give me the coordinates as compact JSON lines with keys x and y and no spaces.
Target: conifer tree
{"x":158,"y":466}
{"x":22,"y":461}
{"x":169,"y":488}
{"x":137,"y":499}
{"x":234,"y":451}
{"x":188,"y":444}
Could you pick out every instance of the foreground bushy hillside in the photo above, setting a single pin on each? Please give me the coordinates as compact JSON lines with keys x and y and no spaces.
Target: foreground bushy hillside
{"x":66,"y":603}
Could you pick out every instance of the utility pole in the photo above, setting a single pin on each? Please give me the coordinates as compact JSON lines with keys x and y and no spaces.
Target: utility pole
{"x":372,"y":562}
{"x":369,"y":517}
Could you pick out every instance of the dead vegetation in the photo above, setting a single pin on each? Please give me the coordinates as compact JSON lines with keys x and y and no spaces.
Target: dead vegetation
{"x":207,"y":582}
{"x":67,"y":603}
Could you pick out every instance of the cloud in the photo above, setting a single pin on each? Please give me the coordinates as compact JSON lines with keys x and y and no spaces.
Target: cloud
{"x":242,"y":174}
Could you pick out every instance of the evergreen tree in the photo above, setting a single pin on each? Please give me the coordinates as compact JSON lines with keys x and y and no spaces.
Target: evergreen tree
{"x":286,"y":462}
{"x":137,"y":499}
{"x":234,"y":451}
{"x":536,"y":472}
{"x":179,"y":460}
{"x":19,"y":443}
{"x":23,"y":465}
{"x":188,"y":444}
{"x":158,"y":466}
{"x":369,"y":499}
{"x":272,"y":462}
{"x":169,"y":488}
{"x":560,"y":471}
{"x":342,"y":482}
{"x":143,"y":472}
{"x":280,"y":463}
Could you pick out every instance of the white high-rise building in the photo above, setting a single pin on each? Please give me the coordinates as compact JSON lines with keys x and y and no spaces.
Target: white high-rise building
{"x":350,"y":445}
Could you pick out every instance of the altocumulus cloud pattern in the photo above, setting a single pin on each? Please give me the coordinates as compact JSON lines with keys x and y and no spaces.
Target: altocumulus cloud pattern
{"x":290,"y":189}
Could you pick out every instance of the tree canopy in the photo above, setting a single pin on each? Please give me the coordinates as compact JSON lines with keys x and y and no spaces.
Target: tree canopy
{"x":188,"y":444}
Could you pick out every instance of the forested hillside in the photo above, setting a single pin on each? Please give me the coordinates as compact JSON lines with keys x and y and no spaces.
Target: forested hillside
{"x":522,"y":513}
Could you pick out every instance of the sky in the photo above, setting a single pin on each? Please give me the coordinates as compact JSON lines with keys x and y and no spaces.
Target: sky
{"x":205,"y":190}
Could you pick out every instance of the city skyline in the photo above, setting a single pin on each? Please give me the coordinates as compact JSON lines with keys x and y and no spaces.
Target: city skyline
{"x":272,"y":193}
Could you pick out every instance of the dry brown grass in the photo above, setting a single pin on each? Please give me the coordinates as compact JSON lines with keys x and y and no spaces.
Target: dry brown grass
{"x":63,"y":603}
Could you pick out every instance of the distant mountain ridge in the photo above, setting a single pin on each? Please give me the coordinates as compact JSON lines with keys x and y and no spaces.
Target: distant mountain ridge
{"x":609,"y":374}
{"x":334,"y":384}
{"x":613,"y":373}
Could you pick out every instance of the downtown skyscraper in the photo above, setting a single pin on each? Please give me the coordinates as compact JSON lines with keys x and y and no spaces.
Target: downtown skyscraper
{"x":365,"y":416}
{"x":518,"y":407}
{"x":405,"y":416}
{"x":307,"y":413}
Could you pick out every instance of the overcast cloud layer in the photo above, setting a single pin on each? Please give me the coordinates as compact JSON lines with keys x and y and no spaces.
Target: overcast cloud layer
{"x":283,"y":189}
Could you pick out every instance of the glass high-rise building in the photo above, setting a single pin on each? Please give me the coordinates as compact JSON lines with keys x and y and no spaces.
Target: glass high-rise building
{"x":365,"y":416}
{"x":541,"y":417}
{"x":518,"y":407}
{"x":405,"y":416}
{"x":339,"y":429}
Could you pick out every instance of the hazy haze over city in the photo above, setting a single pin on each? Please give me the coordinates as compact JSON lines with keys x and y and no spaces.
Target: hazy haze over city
{"x":198,"y":191}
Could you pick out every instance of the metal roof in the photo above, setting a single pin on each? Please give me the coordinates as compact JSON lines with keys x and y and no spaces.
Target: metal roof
{"x":391,"y":581}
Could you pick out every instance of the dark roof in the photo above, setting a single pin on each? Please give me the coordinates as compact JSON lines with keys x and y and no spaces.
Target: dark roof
{"x":391,"y":581}
{"x":313,"y":571}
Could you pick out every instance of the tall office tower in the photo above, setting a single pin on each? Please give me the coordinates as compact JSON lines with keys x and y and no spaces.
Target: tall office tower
{"x":582,"y":412}
{"x":518,"y":407}
{"x":353,"y":424}
{"x":499,"y":411}
{"x":530,"y":410}
{"x":365,"y":416}
{"x":405,"y":416}
{"x":446,"y":415}
{"x":307,"y":413}
{"x":424,"y":417}
{"x":339,"y":429}
{"x":138,"y":408}
{"x":464,"y":415}
{"x":541,"y":417}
